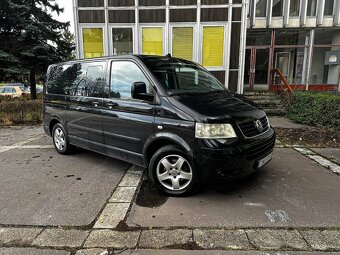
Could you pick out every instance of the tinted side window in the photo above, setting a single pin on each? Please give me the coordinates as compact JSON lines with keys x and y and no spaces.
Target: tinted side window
{"x":88,"y":80}
{"x":61,"y":79}
{"x":95,"y":80}
{"x":123,"y":75}
{"x":80,"y":79}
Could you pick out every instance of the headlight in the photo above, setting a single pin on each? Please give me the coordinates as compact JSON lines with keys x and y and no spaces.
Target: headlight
{"x":214,"y":131}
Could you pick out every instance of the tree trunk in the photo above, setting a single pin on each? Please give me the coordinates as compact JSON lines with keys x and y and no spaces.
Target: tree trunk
{"x":33,"y":84}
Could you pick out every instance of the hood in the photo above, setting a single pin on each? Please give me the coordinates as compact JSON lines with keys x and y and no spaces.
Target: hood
{"x":217,"y":107}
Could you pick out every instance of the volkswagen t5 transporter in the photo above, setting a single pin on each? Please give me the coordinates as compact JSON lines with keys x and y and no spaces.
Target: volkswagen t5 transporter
{"x":166,"y":114}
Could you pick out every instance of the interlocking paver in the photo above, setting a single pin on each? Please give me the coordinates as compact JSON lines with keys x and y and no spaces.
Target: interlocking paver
{"x":221,"y":239}
{"x":165,"y":238}
{"x":61,"y":238}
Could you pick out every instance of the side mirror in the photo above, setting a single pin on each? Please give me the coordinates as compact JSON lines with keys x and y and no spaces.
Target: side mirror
{"x":138,"y":91}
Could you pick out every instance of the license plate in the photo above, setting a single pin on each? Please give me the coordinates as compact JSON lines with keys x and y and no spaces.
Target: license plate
{"x":265,"y":160}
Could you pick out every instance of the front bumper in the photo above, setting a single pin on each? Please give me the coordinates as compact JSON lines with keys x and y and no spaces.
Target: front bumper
{"x":235,"y":161}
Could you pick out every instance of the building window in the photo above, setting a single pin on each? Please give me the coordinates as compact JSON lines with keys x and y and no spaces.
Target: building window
{"x":90,"y":3}
{"x":183,"y":15}
{"x":324,"y":36}
{"x":259,"y":37}
{"x":152,"y":41}
{"x":152,"y":16}
{"x":294,"y":8}
{"x":326,"y":57}
{"x":329,"y":7}
{"x":122,"y":39}
{"x":277,"y":8}
{"x":235,"y":45}
{"x":182,"y":42}
{"x":151,"y":2}
{"x":311,"y":7}
{"x":214,"y":14}
{"x":91,"y":16}
{"x":122,"y":16}
{"x":183,"y":2}
{"x":93,"y":42}
{"x":322,"y":72}
{"x":214,"y":2}
{"x":261,"y":8}
{"x":119,"y":3}
{"x":291,"y":37}
{"x":292,"y":64}
{"x":213,"y":46}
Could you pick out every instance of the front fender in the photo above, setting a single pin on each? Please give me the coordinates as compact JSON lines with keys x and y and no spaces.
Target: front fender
{"x":168,"y":137}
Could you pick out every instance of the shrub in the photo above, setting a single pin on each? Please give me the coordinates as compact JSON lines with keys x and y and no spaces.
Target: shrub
{"x":21,"y":112}
{"x":317,"y":109}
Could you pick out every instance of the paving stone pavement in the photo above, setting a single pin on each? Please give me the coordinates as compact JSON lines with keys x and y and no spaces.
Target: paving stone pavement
{"x":165,"y":238}
{"x":97,"y":241}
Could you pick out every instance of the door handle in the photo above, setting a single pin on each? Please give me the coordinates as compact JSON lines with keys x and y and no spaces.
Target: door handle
{"x":95,"y":104}
{"x":110,"y":105}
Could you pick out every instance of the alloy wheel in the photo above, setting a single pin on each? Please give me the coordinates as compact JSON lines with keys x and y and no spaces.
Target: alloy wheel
{"x":174,"y":172}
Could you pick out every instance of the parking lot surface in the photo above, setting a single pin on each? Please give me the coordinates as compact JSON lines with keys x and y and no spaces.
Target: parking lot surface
{"x":291,"y":191}
{"x":42,"y":188}
{"x":89,"y":204}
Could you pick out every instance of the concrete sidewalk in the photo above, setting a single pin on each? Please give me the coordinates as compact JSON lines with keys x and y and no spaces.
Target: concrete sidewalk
{"x":283,"y":122}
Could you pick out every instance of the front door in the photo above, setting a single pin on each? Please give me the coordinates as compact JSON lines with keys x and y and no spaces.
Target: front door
{"x":282,"y":62}
{"x":127,"y":123}
{"x":257,"y":68}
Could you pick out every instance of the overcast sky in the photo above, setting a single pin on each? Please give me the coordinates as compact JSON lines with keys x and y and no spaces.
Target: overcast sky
{"x":67,"y":15}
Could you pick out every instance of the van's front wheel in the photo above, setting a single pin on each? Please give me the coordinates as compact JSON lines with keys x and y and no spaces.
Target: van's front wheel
{"x":172,"y":171}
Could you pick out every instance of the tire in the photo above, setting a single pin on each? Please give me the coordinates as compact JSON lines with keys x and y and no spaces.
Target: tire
{"x":60,"y":140}
{"x":172,"y":171}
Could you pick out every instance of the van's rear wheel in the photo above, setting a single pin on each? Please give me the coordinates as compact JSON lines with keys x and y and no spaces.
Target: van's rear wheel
{"x":60,"y":140}
{"x":172,"y":171}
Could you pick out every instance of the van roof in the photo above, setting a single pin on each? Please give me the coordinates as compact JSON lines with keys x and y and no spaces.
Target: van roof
{"x":131,"y":56}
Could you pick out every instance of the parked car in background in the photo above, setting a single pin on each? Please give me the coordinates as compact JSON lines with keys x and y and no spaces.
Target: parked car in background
{"x":12,"y":91}
{"x":25,"y":88}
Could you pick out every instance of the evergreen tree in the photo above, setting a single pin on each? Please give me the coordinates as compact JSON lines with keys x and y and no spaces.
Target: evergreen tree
{"x":30,"y":39}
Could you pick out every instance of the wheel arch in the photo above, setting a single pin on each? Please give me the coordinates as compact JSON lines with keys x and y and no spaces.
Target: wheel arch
{"x":162,"y":139}
{"x":53,"y":121}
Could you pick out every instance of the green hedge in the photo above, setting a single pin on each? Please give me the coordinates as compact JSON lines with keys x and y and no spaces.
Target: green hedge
{"x":317,"y":109}
{"x":21,"y":112}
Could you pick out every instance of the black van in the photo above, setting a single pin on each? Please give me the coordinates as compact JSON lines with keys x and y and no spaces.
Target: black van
{"x":167,"y":114}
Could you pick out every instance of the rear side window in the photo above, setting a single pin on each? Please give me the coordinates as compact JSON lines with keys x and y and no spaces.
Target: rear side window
{"x":123,"y":75}
{"x":60,"y":78}
{"x":80,"y":79}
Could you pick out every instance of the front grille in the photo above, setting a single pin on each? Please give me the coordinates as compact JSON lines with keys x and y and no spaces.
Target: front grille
{"x":260,"y":150}
{"x":249,"y":129}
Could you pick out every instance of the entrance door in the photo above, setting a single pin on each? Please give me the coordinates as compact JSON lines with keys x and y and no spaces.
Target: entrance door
{"x":282,"y":62}
{"x":257,"y":69}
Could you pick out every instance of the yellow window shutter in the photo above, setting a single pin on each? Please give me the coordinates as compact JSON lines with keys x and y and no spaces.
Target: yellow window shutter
{"x":152,"y":41}
{"x":182,"y":42}
{"x":213,"y":46}
{"x":93,"y":42}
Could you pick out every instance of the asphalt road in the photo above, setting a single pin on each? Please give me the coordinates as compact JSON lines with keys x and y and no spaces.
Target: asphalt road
{"x":291,"y":191}
{"x":39,"y":187}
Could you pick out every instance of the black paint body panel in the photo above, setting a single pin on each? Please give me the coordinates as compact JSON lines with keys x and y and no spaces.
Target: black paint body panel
{"x":127,"y":129}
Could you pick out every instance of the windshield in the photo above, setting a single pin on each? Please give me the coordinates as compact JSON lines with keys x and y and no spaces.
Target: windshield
{"x":183,"y":77}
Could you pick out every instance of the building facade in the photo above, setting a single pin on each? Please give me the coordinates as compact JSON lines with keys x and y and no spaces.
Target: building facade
{"x":240,"y":42}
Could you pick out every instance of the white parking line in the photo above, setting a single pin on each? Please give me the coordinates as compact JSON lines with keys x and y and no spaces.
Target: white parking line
{"x":22,"y":145}
{"x":325,"y":163}
{"x":319,"y":159}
